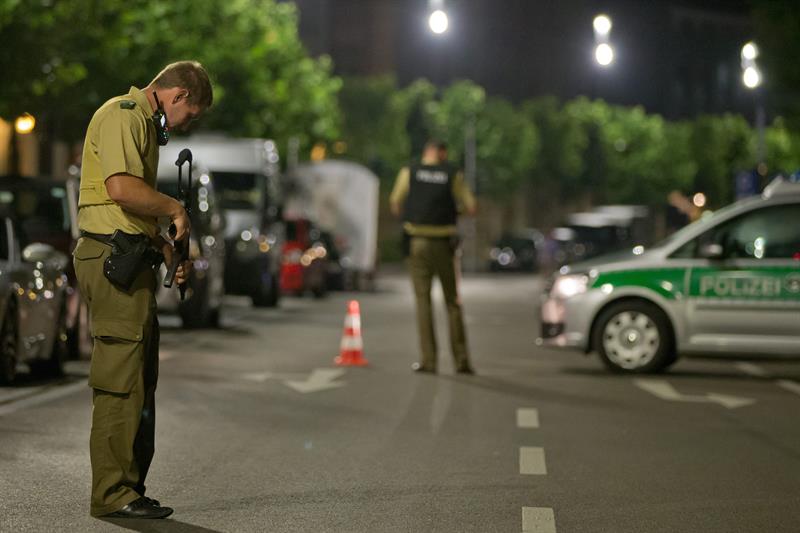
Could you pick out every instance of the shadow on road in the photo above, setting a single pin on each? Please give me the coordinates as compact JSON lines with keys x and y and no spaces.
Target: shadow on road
{"x":158,"y":526}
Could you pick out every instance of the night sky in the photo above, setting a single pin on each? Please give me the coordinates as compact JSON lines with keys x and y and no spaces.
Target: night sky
{"x":678,"y":58}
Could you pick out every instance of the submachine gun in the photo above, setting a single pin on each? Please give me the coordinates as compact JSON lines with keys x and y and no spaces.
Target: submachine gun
{"x":180,"y":248}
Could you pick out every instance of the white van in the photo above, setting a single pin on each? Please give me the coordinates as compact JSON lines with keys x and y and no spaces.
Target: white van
{"x":247,"y":178}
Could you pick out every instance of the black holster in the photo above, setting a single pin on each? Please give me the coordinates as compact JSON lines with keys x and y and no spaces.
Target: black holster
{"x":129,"y":255}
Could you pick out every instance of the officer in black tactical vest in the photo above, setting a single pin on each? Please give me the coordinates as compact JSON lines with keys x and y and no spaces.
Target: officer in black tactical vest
{"x":429,"y":195}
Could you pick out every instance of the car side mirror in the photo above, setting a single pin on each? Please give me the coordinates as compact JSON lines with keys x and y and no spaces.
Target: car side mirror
{"x":712,"y":251}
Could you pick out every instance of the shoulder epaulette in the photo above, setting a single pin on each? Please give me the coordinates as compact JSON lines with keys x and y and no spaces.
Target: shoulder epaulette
{"x":127,"y":104}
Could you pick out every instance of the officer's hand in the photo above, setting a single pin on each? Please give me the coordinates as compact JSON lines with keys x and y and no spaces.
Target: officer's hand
{"x":183,"y":272}
{"x":182,"y":225}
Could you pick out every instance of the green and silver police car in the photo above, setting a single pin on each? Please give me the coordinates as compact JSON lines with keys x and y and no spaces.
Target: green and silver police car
{"x":726,"y":284}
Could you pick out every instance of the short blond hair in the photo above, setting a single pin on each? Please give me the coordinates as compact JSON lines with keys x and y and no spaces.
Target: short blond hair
{"x":189,"y":75}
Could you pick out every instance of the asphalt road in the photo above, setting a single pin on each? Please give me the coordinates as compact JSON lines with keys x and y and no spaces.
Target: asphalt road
{"x":259,"y":431}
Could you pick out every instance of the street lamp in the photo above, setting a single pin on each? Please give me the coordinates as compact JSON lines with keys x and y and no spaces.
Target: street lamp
{"x":752,"y":79}
{"x":751,"y":75}
{"x":603,"y":51}
{"x":604,"y":54}
{"x":602,"y":25}
{"x":24,"y":124}
{"x":437,"y":21}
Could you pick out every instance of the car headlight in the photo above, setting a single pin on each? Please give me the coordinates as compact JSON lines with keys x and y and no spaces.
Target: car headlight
{"x":569,"y":286}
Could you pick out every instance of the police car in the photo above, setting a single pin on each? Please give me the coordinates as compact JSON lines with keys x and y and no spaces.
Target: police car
{"x":728,"y":284}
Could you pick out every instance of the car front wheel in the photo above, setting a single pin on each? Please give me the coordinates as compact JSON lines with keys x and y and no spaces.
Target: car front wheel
{"x":634,"y":337}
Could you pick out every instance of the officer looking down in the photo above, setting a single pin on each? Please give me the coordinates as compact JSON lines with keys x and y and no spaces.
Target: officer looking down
{"x":116,"y":260}
{"x":429,"y":194}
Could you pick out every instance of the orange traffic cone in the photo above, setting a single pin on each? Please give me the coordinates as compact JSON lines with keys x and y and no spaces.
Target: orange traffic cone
{"x":351,"y":350}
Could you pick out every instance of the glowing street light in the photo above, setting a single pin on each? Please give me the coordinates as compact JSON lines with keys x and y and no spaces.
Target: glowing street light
{"x":751,"y":77}
{"x":24,"y":124}
{"x":602,"y":25}
{"x":438,"y":22}
{"x":603,"y":51}
{"x":604,"y":54}
{"x":749,"y":51}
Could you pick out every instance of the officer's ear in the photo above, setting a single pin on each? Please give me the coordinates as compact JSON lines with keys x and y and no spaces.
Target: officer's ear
{"x":182,"y":94}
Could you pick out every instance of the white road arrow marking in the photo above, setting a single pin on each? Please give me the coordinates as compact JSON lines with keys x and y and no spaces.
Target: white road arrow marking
{"x":258,"y":377}
{"x":665,"y":391}
{"x":320,"y":379}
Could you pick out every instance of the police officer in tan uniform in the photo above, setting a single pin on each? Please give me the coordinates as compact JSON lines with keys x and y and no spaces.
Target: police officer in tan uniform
{"x":118,"y":198}
{"x":429,"y":196}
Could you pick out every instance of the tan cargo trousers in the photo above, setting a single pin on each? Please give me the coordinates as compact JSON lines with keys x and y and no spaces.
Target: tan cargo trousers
{"x":123,"y":375}
{"x":429,"y":257}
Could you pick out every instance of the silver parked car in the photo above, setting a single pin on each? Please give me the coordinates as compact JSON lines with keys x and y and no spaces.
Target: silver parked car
{"x":727,"y":284}
{"x":33,"y":313}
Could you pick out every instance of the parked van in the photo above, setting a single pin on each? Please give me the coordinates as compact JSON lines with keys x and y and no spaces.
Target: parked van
{"x":247,"y":180}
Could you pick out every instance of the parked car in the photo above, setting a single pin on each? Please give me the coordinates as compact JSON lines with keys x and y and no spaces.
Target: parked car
{"x":517,"y":251}
{"x":728,"y":283}
{"x":33,"y":305}
{"x":47,"y":211}
{"x":602,"y":230}
{"x":305,"y":260}
{"x":248,"y":184}
{"x":206,"y":286}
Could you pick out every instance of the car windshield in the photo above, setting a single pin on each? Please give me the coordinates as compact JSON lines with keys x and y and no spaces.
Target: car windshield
{"x":697,"y":225}
{"x":239,"y":190}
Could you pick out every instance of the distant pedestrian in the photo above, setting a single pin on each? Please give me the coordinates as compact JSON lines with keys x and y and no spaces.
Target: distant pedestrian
{"x":428,"y":195}
{"x":115,"y":263}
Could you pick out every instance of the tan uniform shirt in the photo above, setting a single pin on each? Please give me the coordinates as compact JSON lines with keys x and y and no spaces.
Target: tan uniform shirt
{"x":463,"y":196}
{"x":120,"y":139}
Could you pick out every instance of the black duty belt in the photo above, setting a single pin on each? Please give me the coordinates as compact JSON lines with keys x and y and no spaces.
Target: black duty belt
{"x":105,"y":239}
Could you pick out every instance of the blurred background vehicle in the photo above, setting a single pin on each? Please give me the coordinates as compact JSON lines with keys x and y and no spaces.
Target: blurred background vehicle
{"x":206,"y":286}
{"x":305,"y":260}
{"x":334,"y":276}
{"x":342,"y":198}
{"x":603,"y":230}
{"x":47,"y":212}
{"x":248,"y":185}
{"x":33,"y":306}
{"x":517,"y":252}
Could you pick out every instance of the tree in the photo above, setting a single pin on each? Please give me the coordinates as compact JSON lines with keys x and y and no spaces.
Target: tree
{"x":561,"y":142}
{"x":455,"y":112}
{"x":721,"y":147}
{"x":79,"y":53}
{"x":783,"y":148}
{"x":507,"y":147}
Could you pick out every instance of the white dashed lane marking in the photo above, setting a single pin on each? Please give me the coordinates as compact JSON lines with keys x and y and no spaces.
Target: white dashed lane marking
{"x":791,"y":386}
{"x":527,"y":418}
{"x":538,"y":520}
{"x":531,"y":461}
{"x":752,"y":370}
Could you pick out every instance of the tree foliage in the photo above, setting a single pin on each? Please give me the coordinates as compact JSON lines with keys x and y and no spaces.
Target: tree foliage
{"x":79,"y":53}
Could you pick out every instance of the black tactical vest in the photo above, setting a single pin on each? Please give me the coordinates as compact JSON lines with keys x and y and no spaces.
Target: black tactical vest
{"x":430,"y":196}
